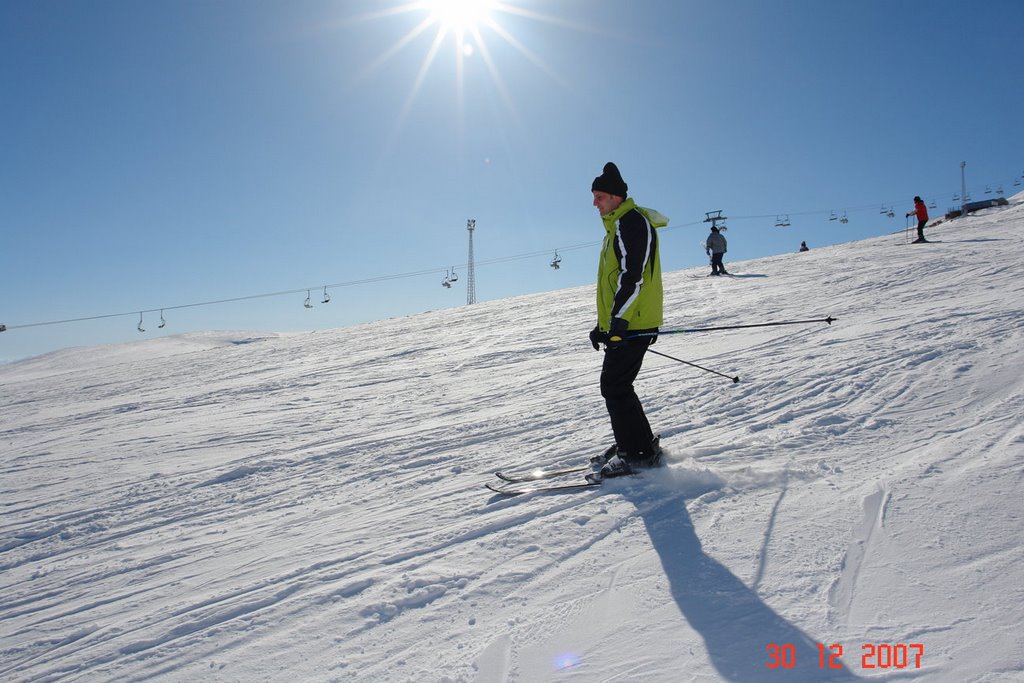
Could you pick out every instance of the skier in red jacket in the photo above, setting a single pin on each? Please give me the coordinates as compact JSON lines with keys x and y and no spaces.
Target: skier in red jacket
{"x":922,"y":217}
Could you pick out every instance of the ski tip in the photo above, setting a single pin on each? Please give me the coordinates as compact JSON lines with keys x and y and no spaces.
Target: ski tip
{"x":542,"y":488}
{"x":503,"y":492}
{"x":516,"y":478}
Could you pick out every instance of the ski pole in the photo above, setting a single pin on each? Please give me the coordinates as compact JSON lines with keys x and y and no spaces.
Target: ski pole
{"x":735,"y":380}
{"x":639,"y":335}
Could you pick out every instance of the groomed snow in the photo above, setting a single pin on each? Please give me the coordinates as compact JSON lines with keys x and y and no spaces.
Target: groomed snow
{"x":311,"y":507}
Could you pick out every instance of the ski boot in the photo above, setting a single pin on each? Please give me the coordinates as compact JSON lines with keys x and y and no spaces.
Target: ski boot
{"x":622,"y":464}
{"x":611,"y":452}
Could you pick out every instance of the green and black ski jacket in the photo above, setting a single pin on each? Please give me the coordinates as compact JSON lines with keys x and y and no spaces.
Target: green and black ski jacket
{"x":629,"y":272}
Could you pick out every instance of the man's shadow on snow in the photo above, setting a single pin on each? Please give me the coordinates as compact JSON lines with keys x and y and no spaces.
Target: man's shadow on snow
{"x":736,"y":625}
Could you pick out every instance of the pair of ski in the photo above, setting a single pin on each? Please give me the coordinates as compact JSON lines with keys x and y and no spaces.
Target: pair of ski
{"x":538,"y":480}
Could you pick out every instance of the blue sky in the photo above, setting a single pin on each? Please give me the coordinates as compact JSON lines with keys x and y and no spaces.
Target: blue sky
{"x":163,"y":154}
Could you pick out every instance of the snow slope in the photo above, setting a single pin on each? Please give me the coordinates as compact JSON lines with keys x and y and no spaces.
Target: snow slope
{"x":310,"y":507}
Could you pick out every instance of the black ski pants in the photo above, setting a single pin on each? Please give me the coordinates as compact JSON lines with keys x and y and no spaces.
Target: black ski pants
{"x":716,"y":264}
{"x":920,"y":229}
{"x":629,"y":423}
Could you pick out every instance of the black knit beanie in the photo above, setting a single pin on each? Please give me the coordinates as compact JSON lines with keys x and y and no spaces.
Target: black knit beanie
{"x":610,"y":181}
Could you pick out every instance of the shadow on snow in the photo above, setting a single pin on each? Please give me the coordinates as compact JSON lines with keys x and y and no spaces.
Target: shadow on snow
{"x":736,"y":625}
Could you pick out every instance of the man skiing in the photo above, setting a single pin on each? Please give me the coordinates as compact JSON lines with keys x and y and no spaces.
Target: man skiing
{"x":922,"y":218}
{"x":629,"y":301}
{"x":715,"y":248}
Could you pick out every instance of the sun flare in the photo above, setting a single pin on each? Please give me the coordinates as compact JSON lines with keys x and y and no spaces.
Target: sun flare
{"x":463,"y":31}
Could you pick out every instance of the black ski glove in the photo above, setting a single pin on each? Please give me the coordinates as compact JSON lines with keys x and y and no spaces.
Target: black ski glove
{"x":617,"y":333}
{"x":596,"y":337}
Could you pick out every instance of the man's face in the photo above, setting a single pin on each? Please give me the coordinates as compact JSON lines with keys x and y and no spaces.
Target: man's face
{"x":606,"y":203}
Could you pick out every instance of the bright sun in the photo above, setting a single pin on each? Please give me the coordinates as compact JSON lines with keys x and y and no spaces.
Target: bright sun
{"x":465,"y":27}
{"x":459,"y":15}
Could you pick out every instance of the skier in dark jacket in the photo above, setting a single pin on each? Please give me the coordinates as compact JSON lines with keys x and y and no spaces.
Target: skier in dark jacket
{"x":921,"y":211}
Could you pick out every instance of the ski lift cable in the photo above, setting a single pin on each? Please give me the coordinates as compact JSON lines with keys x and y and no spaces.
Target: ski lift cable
{"x":287,"y":292}
{"x":300,"y":290}
{"x":335,"y":285}
{"x":399,"y":276}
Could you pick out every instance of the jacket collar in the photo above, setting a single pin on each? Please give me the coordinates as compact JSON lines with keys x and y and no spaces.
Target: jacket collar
{"x":625,"y":207}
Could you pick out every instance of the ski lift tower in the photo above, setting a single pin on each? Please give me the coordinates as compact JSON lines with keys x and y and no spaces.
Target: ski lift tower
{"x":963,"y":189}
{"x":471,"y":271}
{"x":713,"y":219}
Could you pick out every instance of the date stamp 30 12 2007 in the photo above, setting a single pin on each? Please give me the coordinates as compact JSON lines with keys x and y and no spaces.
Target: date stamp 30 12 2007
{"x":873,"y":656}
